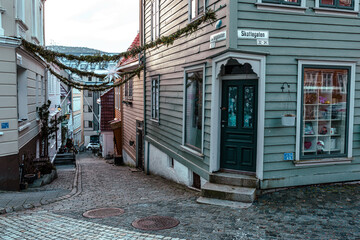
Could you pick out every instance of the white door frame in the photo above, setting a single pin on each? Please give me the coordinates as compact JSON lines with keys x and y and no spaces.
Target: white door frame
{"x":258,"y":63}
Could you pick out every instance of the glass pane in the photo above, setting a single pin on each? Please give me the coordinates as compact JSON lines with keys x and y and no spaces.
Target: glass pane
{"x":232,"y":110}
{"x":193,"y":9}
{"x":248,"y":107}
{"x":325,"y":112}
{"x":193,"y":111}
{"x":345,"y":3}
{"x":327,"y":2}
{"x":200,"y":6}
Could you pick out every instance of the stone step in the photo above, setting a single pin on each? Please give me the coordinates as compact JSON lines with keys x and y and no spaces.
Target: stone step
{"x":227,"y":192}
{"x":224,"y":203}
{"x":64,"y":161}
{"x":240,"y":180}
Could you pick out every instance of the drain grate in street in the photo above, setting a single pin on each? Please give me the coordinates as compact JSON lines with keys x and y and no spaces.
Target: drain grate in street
{"x":155,"y":223}
{"x":103,"y":212}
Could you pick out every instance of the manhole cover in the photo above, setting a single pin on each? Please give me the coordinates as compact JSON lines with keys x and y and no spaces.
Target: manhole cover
{"x":155,"y":223}
{"x":103,"y":212}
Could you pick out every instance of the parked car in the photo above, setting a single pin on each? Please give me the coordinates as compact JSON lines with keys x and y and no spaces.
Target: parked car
{"x":92,"y":146}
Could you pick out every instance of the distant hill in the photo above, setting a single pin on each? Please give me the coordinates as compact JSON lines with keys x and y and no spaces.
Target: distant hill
{"x":76,"y":50}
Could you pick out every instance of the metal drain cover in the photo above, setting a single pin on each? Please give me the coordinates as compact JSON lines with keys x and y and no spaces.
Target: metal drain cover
{"x":103,"y":212}
{"x":155,"y":223}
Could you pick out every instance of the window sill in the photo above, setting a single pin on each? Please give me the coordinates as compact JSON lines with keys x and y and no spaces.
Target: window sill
{"x":339,"y":12}
{"x":127,"y":102}
{"x":35,"y":40}
{"x":22,"y":24}
{"x":193,"y":152}
{"x":156,"y":121}
{"x":24,"y":126}
{"x":325,"y":161}
{"x":280,"y":7}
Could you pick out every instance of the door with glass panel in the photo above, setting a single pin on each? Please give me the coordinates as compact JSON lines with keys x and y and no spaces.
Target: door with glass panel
{"x":239,"y":125}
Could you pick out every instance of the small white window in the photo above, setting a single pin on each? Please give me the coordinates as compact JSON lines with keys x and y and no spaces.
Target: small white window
{"x":155,"y":19}
{"x":196,"y":8}
{"x":155,"y":95}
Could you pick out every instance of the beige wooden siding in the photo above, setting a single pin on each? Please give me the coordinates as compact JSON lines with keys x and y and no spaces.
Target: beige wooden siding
{"x":8,"y":102}
{"x":130,"y":114}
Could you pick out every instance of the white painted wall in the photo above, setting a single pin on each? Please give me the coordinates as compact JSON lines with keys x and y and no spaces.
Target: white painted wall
{"x":128,"y":160}
{"x":160,"y":164}
{"x":107,"y":143}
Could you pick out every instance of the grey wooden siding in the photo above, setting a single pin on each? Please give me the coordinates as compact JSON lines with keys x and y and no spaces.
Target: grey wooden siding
{"x":169,"y":63}
{"x":292,"y":36}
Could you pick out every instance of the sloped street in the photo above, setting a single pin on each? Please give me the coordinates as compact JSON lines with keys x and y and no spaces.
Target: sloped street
{"x":325,"y":212}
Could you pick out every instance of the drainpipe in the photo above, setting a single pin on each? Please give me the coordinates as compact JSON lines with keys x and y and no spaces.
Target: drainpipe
{"x":144,"y":82}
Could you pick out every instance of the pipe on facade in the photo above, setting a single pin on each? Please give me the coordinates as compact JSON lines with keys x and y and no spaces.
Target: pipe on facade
{"x":144,"y":82}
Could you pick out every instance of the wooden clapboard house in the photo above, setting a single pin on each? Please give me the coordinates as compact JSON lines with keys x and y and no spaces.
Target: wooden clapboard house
{"x":265,"y":98}
{"x":129,"y":113}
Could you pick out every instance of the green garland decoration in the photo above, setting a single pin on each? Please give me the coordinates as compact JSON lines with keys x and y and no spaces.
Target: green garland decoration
{"x":52,"y":56}
{"x":98,"y":87}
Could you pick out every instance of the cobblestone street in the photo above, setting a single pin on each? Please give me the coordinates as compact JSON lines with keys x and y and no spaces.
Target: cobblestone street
{"x":325,"y":212}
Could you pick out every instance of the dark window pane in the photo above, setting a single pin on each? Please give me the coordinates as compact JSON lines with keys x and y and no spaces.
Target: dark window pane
{"x":345,"y":3}
{"x":248,"y":107}
{"x":327,"y":2}
{"x":232,"y":109}
{"x":193,"y":111}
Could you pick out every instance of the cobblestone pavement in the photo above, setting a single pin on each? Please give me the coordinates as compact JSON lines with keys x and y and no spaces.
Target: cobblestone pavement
{"x":316,"y":212}
{"x":34,"y":197}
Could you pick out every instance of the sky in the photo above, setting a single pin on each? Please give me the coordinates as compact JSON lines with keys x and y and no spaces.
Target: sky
{"x":106,"y":25}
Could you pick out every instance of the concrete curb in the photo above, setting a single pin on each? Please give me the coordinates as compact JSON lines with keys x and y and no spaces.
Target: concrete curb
{"x":76,"y":190}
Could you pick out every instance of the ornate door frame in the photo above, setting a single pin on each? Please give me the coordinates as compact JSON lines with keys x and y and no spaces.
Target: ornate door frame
{"x":258,"y":64}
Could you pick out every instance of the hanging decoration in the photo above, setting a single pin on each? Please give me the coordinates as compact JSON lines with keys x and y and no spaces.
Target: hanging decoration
{"x":113,"y":73}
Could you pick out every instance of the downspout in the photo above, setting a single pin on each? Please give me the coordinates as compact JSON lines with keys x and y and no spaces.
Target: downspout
{"x":144,"y":82}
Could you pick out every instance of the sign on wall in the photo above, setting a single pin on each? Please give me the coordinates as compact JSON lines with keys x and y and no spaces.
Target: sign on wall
{"x":217,"y":38}
{"x":4,"y":125}
{"x":261,"y":37}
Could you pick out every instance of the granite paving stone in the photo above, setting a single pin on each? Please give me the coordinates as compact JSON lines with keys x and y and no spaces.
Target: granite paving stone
{"x":313,"y":212}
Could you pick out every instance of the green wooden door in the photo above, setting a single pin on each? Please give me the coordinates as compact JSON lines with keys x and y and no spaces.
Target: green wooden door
{"x":238,"y":125}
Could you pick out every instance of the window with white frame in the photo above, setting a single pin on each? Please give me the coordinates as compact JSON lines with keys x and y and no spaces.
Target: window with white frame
{"x":76,"y":104}
{"x":20,"y":10}
{"x":22,"y":94}
{"x":193,"y":109}
{"x":325,"y":111}
{"x":196,"y":8}
{"x":155,"y":95}
{"x":77,"y":121}
{"x":34,"y":18}
{"x":155,"y":19}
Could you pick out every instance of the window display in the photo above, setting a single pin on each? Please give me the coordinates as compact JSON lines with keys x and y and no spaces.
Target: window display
{"x":325,"y":112}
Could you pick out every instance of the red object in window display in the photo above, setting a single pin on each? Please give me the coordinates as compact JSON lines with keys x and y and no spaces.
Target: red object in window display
{"x":327,"y":2}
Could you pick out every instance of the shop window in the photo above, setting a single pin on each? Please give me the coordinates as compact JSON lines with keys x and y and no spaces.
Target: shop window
{"x":342,"y":4}
{"x":325,"y":112}
{"x":193,"y":109}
